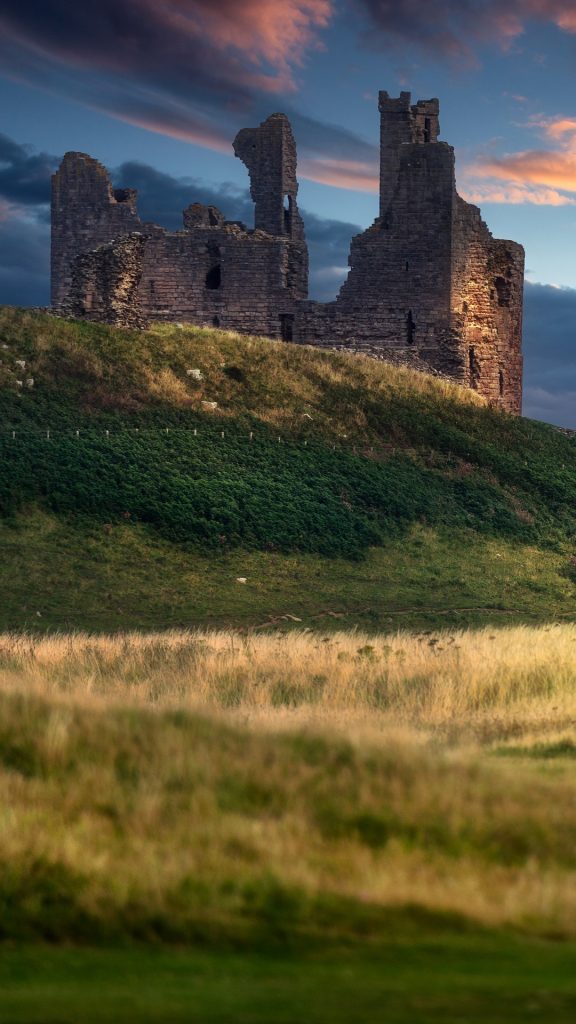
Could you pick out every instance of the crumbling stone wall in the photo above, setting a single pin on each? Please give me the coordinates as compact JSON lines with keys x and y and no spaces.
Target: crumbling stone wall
{"x":105,"y":282}
{"x":428,"y":285}
{"x":214,"y":272}
{"x":86,"y":212}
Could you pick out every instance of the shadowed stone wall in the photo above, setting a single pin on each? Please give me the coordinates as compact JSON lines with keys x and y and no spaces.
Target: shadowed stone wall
{"x":428,"y":285}
{"x":214,"y":272}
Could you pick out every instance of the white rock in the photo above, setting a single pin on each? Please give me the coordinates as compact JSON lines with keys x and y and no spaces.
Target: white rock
{"x":21,"y":363}
{"x":195,"y":373}
{"x":19,"y":383}
{"x":210,"y":405}
{"x":30,"y":382}
{"x":241,"y":579}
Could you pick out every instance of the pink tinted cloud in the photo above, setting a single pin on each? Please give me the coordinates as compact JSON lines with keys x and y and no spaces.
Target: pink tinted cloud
{"x":454,"y":28}
{"x":186,"y":129}
{"x":538,"y":176}
{"x":535,"y":167}
{"x":7,"y":211}
{"x":248,"y":43}
{"x":278,"y":31}
{"x":514,"y":194}
{"x":348,"y":174}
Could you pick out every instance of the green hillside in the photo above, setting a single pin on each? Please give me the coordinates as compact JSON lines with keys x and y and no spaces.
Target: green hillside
{"x":339,"y":488}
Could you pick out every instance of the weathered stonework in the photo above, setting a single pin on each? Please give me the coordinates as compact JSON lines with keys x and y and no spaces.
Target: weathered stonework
{"x":428,"y":285}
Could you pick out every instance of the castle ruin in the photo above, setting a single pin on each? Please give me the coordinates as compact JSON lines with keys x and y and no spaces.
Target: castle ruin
{"x":428,"y":284}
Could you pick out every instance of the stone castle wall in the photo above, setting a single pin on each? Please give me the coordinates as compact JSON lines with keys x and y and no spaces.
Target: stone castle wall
{"x":428,"y":285}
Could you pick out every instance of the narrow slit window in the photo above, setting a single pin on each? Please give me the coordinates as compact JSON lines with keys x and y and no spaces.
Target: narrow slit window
{"x":474,"y":367}
{"x":410,"y":328}
{"x":502,"y":287}
{"x":288,"y":209}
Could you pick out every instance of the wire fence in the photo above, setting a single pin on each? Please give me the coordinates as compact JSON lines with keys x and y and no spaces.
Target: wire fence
{"x":362,"y":449}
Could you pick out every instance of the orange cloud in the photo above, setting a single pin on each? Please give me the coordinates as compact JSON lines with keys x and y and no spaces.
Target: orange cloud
{"x":349,"y":174}
{"x":514,"y":195}
{"x":206,"y":136}
{"x":540,"y":176}
{"x":261,"y":29}
{"x":560,"y":127}
{"x":535,"y":167}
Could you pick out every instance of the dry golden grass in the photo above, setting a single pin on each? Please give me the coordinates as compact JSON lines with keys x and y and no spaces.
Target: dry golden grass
{"x":277,"y":773}
{"x":485,"y":686}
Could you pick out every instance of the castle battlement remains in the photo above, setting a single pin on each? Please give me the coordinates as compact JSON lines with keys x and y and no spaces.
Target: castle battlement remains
{"x":428,"y":284}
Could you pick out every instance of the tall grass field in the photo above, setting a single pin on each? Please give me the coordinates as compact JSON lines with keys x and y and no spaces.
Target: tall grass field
{"x":382,"y":814}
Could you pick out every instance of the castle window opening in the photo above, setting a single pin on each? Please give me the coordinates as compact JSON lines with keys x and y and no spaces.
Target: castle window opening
{"x":288,"y":214}
{"x":501,"y":383}
{"x":286,"y":326}
{"x":214,"y":274}
{"x":464,"y":307}
{"x":152,"y":286}
{"x":215,"y":321}
{"x":214,"y":277}
{"x":427,"y":129}
{"x":410,"y":328}
{"x":407,"y":267}
{"x":474,"y":367}
{"x":502,"y":290}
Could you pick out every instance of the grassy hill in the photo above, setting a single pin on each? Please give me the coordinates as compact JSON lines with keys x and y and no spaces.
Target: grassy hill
{"x":342,"y":490}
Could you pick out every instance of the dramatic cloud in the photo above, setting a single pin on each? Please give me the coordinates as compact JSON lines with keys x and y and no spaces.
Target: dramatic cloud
{"x":349,"y":174}
{"x":540,"y":176}
{"x":24,"y":261}
{"x":24,"y":175}
{"x":180,"y":45}
{"x":455,"y":28}
{"x":193,"y":69}
{"x":514,"y":195}
{"x":538,"y":167}
{"x":550,"y":354}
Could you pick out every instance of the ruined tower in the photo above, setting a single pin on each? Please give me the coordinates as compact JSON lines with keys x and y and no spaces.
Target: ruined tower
{"x":428,"y":284}
{"x":269,"y":153}
{"x":402,"y":124}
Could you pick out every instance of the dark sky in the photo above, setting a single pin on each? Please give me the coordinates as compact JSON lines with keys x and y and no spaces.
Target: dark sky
{"x":157,"y":90}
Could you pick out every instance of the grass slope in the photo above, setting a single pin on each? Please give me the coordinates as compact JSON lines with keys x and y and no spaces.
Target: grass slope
{"x":366,"y":491}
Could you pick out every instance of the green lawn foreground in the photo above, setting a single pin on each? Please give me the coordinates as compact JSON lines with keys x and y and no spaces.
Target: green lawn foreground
{"x":454,"y":980}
